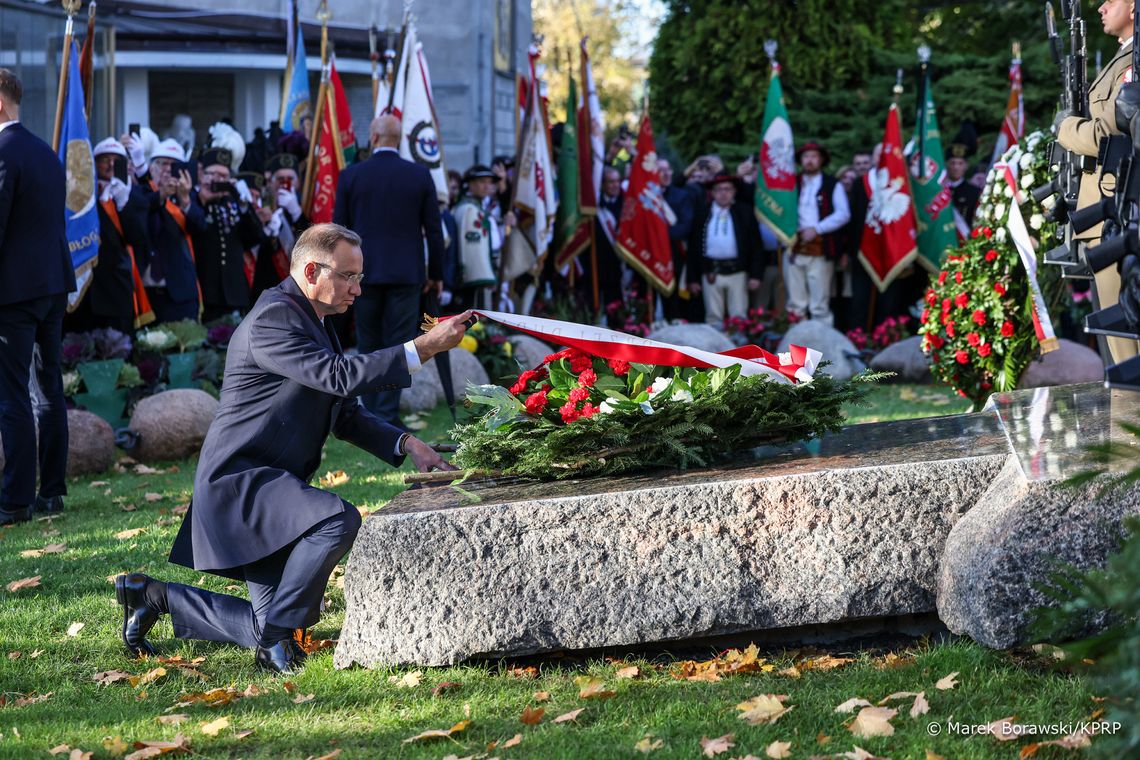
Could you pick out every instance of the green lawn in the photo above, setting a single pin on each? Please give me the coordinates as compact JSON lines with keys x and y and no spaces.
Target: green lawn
{"x":367,"y":715}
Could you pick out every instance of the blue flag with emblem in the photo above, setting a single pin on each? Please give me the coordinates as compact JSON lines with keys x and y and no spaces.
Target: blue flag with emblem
{"x":82,"y":214}
{"x":295,"y":102}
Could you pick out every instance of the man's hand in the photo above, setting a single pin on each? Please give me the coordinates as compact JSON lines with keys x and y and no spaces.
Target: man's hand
{"x":753,"y":283}
{"x":436,"y":285}
{"x":424,"y":458}
{"x":809,"y":234}
{"x":135,"y":151}
{"x":1063,"y":114}
{"x":695,"y":288}
{"x":287,"y":199}
{"x":183,"y":188}
{"x":120,"y":192}
{"x":510,"y":220}
{"x":443,"y":337}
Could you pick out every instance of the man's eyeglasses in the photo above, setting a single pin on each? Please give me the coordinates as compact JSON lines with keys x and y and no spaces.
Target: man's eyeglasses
{"x":355,"y":279}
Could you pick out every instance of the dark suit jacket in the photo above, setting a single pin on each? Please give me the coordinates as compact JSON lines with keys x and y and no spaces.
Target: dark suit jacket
{"x":749,"y":247}
{"x":170,"y":258}
{"x":220,"y":253}
{"x":287,"y":386}
{"x":34,"y":257}
{"x":112,"y":283}
{"x":391,"y":204}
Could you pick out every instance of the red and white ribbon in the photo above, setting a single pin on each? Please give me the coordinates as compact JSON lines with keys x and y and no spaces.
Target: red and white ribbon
{"x":795,"y":365}
{"x":1042,"y":324}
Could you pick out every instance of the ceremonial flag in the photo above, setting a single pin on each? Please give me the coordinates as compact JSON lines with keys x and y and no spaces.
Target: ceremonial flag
{"x":345,"y":132}
{"x":1013,"y":125}
{"x":932,"y":199}
{"x":889,"y":234}
{"x":295,"y":98}
{"x":413,"y":104}
{"x":591,"y":138}
{"x":86,"y":58}
{"x":534,"y":187}
{"x":776,"y":201}
{"x":572,"y":226}
{"x":329,"y":155}
{"x":81,"y":214}
{"x":643,"y":234}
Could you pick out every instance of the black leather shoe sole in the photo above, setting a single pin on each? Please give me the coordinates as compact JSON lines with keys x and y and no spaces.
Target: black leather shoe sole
{"x":281,"y":658}
{"x":13,"y":516}
{"x":137,"y":620}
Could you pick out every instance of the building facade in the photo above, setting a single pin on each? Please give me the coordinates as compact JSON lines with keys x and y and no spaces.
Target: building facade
{"x":225,"y":59}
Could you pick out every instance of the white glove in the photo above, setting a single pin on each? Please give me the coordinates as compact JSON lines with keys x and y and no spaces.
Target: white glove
{"x":244,"y":195}
{"x":287,"y":199}
{"x":273,"y":226}
{"x":135,"y":151}
{"x":120,"y":192}
{"x":445,"y":298}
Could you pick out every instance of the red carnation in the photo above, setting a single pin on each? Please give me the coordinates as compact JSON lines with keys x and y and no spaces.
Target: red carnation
{"x":950,"y":329}
{"x":984,"y":349}
{"x":958,"y":277}
{"x":999,"y":288}
{"x":973,"y":338}
{"x":589,"y":410}
{"x":979,"y":317}
{"x":551,"y":358}
{"x":931,"y":297}
{"x":962,"y":357}
{"x":975,"y":233}
{"x":569,"y":412}
{"x":1007,"y":329}
{"x":987,"y":232}
{"x":942,"y":277}
{"x":588,"y":378}
{"x":925,"y":315}
{"x":962,"y":300}
{"x":618,"y":367}
{"x":578,"y":395}
{"x":991,"y":254}
{"x":946,"y":302}
{"x":536,"y":402}
{"x":937,"y":341}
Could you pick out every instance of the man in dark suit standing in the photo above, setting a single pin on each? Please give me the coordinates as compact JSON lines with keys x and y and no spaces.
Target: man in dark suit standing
{"x":35,"y":277}
{"x":391,"y":203}
{"x":254,"y":516}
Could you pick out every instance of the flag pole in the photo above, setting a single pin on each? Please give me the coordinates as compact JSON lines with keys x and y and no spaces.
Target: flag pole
{"x":70,"y":6}
{"x":310,"y":163}
{"x":374,"y":56}
{"x":290,"y":44}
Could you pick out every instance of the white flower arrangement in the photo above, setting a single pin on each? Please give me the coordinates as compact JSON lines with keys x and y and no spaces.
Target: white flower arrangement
{"x":1037,"y":221}
{"x":157,"y":339}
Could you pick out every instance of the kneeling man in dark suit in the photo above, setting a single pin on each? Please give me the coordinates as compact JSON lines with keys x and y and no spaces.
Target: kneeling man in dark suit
{"x":254,"y":517}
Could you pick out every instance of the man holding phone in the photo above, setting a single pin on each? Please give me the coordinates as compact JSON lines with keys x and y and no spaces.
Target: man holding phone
{"x":287,"y":222}
{"x":232,"y":228}
{"x":112,"y":299}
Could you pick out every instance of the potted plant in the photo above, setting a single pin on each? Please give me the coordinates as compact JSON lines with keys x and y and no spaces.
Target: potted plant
{"x":99,"y":357}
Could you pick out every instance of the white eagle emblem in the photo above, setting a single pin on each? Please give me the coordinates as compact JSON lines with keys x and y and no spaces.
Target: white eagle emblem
{"x":889,"y":200}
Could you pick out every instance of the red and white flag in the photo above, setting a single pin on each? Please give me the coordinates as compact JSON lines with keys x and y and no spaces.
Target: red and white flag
{"x":643,"y":232}
{"x":1013,"y":125}
{"x":890,"y":232}
{"x":335,"y":132}
{"x":796,"y":365}
{"x":591,"y":142}
{"x":414,"y":104}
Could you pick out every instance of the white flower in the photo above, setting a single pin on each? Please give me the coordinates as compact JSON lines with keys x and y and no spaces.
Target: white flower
{"x":1000,"y":234}
{"x":606,"y":407}
{"x":1026,"y":161}
{"x":685,"y":396}
{"x":1008,"y":191}
{"x":999,"y":210}
{"x":1037,"y":221}
{"x":645,"y":407}
{"x":659,"y":385}
{"x":1027,"y":181}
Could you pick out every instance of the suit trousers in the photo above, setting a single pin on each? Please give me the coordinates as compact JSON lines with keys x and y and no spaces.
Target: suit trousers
{"x":386,"y":316}
{"x":25,"y":326}
{"x":727,"y":297}
{"x":808,"y":282}
{"x":285,"y":588}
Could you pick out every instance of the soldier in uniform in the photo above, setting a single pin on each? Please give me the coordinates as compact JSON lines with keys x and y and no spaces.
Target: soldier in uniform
{"x":476,"y":261}
{"x":965,"y":194}
{"x":232,"y":228}
{"x":1083,"y":135}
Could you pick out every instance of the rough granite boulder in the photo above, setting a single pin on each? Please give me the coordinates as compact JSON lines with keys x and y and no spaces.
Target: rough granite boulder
{"x":90,"y":444}
{"x":529,"y":351}
{"x":435,"y":578}
{"x":1012,"y":541}
{"x":906,"y":359}
{"x":697,"y":335}
{"x":172,"y":424}
{"x":465,"y":369}
{"x":1070,"y":363}
{"x":834,"y":345}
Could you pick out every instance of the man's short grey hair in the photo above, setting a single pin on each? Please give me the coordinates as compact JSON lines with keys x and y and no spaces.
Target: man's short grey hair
{"x":318,"y":243}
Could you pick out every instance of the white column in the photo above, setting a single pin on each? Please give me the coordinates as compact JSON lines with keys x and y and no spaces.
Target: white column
{"x":257,"y":99}
{"x":134,"y":103}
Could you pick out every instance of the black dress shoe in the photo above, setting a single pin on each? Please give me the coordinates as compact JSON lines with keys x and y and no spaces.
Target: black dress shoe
{"x":11,"y":514}
{"x":49,"y":504}
{"x":138,"y":616}
{"x":281,"y":658}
